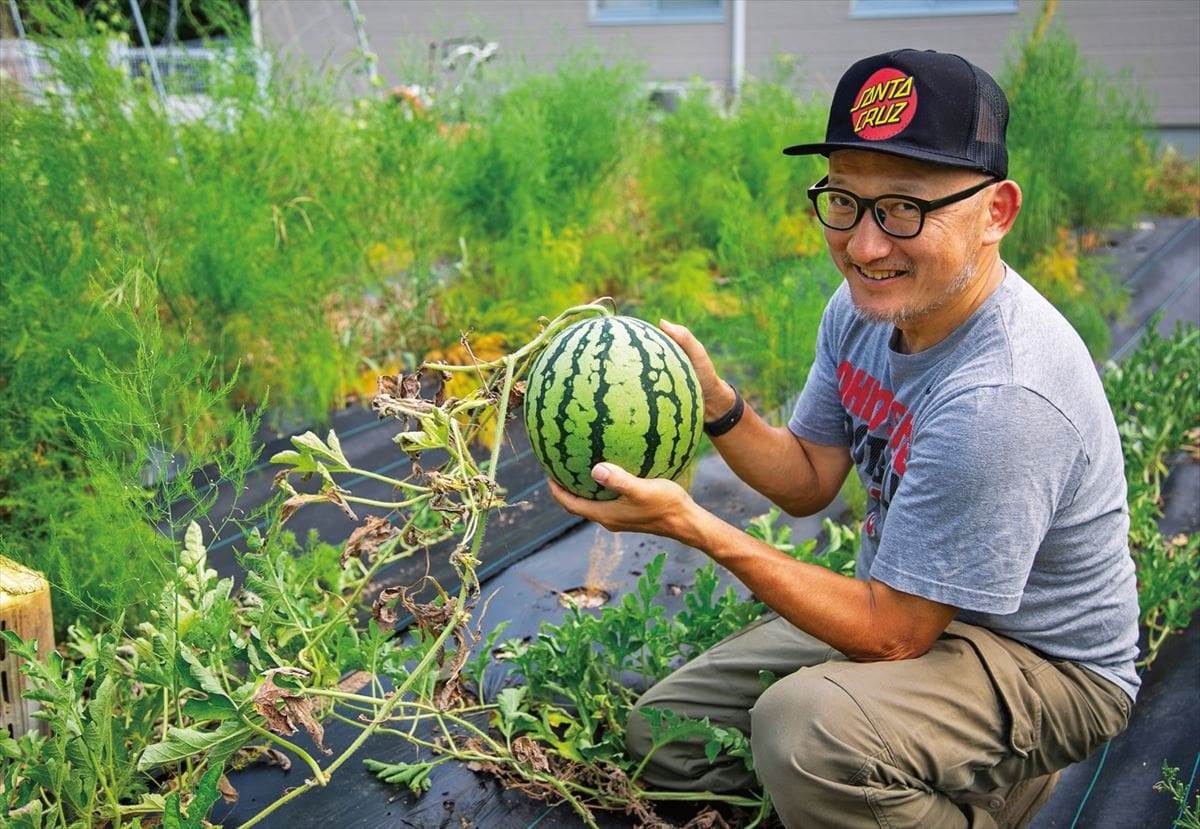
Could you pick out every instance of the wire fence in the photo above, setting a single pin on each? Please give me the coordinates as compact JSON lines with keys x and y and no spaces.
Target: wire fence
{"x":188,"y":73}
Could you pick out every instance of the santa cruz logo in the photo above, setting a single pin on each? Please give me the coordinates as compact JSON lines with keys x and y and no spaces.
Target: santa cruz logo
{"x":884,"y":106}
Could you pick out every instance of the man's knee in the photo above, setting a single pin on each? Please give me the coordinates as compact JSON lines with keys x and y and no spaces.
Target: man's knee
{"x":806,"y":728}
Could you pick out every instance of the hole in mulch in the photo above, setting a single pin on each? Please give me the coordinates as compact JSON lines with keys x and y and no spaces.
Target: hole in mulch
{"x":585,"y":597}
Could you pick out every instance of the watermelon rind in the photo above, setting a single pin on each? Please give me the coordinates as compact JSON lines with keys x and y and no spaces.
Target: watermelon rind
{"x":613,"y":389}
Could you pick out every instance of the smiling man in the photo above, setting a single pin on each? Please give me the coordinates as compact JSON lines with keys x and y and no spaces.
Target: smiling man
{"x":988,"y":639}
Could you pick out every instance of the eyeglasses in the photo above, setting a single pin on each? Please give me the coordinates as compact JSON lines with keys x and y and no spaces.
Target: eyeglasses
{"x":899,"y":216}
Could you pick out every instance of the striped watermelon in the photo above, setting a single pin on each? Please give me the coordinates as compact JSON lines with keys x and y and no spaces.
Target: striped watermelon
{"x":612,"y":389}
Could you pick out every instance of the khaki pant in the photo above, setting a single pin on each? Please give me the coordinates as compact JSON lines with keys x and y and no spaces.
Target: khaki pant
{"x":880,"y":744}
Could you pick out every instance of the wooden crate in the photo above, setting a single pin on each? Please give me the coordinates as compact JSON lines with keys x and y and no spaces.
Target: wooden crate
{"x":24,"y":608}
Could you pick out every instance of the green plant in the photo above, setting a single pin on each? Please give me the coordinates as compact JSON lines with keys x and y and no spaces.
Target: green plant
{"x":1155,"y":397}
{"x":1174,"y":185}
{"x":1086,"y":177}
{"x":146,"y":438}
{"x":1189,"y":813}
{"x":528,"y":188}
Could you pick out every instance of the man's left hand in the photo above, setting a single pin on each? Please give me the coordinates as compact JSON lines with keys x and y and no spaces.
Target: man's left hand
{"x":645,"y":505}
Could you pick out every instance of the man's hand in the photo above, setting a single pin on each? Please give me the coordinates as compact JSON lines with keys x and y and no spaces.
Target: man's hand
{"x":866,"y":620}
{"x":717,"y":394}
{"x":800,"y":476}
{"x":645,"y":505}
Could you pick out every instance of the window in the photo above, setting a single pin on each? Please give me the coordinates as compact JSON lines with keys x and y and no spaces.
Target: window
{"x":929,"y":8}
{"x":624,"y":12}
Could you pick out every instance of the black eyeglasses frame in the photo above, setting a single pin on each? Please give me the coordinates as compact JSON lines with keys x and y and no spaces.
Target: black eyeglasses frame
{"x":924,"y":206}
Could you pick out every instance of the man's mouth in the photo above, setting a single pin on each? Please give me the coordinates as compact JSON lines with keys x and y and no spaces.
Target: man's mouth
{"x":879,"y":275}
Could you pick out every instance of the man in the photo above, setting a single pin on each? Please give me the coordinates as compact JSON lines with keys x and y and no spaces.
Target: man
{"x":989,"y":637}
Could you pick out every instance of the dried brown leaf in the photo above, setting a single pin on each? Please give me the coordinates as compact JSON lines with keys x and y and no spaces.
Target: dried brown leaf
{"x":334,"y":495}
{"x":329,"y":493}
{"x":381,"y":609}
{"x":368,"y":538}
{"x":439,"y":395}
{"x":531,"y":754}
{"x":516,"y":398}
{"x":296,"y":708}
{"x":388,"y":384}
{"x":410,"y":386}
{"x":708,"y":819}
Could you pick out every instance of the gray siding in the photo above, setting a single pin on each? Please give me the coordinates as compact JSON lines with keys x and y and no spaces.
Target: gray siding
{"x":1159,"y":40}
{"x":537,"y":30}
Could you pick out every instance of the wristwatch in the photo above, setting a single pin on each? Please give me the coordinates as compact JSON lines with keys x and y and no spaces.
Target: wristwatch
{"x":718,"y":427}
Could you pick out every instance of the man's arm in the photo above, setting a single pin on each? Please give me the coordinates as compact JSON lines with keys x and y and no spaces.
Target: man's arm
{"x":800,"y":476}
{"x":866,"y":620}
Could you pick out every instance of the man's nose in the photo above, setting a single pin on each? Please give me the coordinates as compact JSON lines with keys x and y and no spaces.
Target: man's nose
{"x":867,"y":241}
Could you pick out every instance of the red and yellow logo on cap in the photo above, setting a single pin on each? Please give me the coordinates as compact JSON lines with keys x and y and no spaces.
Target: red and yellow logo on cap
{"x":884,"y":106}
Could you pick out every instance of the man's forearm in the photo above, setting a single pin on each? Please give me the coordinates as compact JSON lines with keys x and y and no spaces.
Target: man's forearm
{"x":866,"y":620}
{"x":774,"y":463}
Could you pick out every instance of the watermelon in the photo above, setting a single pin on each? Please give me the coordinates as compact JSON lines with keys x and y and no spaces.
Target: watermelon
{"x":613,"y":389}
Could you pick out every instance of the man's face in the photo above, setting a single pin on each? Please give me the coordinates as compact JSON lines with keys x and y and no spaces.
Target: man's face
{"x":920,"y":283}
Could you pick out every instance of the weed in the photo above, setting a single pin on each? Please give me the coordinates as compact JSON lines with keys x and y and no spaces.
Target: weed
{"x":1155,"y":396}
{"x":1189,"y":813}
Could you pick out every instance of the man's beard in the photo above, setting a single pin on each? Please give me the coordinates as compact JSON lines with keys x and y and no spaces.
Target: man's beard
{"x":908,"y":313}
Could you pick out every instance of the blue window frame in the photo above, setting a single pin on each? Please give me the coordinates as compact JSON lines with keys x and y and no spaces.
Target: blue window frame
{"x":863,"y":9}
{"x":627,"y":12}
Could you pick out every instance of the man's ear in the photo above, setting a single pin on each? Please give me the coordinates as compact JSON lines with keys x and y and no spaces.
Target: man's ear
{"x":1002,"y":211}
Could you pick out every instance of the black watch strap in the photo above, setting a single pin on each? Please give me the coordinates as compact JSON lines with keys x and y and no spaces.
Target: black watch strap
{"x":718,"y":427}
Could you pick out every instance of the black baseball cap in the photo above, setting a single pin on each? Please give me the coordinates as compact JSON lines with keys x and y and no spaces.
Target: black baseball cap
{"x":931,"y":106}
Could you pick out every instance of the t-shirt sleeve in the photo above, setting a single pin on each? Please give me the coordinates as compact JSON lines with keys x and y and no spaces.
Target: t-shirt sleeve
{"x":985,"y":474}
{"x":818,"y":415}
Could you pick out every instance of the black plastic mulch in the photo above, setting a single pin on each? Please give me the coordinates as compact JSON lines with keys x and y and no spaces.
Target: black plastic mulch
{"x":540,"y":551}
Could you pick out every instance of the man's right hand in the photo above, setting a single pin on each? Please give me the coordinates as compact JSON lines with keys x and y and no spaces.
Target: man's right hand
{"x":717,"y":394}
{"x":800,"y":476}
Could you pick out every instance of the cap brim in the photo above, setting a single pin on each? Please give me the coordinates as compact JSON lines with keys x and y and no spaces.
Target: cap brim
{"x":812,"y":149}
{"x":825,"y":148}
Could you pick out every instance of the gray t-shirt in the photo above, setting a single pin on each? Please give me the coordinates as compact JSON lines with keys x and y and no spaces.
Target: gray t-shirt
{"x":993,"y":469}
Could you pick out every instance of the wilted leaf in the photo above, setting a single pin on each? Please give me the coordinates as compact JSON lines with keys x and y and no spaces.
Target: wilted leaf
{"x":708,"y":819}
{"x":330,"y":493}
{"x":368,"y":538}
{"x":381,"y":609}
{"x":283,"y":708}
{"x":410,"y":386}
{"x":530,"y":753}
{"x":228,"y":793}
{"x":516,"y":398}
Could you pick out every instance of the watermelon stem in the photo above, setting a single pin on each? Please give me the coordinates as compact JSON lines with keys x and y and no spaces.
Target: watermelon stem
{"x":530,"y":349}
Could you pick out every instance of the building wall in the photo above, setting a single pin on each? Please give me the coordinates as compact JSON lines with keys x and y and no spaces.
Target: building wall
{"x":538,"y":31}
{"x":1158,"y":39}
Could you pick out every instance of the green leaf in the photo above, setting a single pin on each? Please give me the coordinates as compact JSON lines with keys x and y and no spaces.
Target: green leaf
{"x":181,"y":743}
{"x":210,"y":708}
{"x":30,"y":817}
{"x":194,"y":551}
{"x":330,"y":453}
{"x":198,"y":677}
{"x":172,"y":817}
{"x":512,"y":720}
{"x":206,"y":795}
{"x":9,"y":748}
{"x":42,"y":775}
{"x":509,"y":701}
{"x":290,"y":457}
